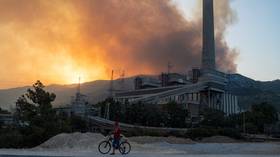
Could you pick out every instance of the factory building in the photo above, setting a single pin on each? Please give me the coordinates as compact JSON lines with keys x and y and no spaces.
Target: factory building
{"x":192,"y":96}
{"x":79,"y":106}
{"x":203,"y":87}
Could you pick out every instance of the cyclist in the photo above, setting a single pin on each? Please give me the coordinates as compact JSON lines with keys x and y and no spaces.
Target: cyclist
{"x":117,"y":136}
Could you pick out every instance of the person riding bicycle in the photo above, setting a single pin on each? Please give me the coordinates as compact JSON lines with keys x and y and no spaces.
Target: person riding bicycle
{"x":117,"y":136}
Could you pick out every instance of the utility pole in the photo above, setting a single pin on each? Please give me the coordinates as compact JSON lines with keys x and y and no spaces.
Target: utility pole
{"x":108,"y":111}
{"x":79,"y":85}
{"x":244,"y":122}
{"x":110,"y":96}
{"x":122,"y":75}
{"x":78,"y":94}
{"x":111,"y":84}
{"x":169,"y":67}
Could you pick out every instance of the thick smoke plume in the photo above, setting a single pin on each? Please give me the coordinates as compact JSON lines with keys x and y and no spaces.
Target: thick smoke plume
{"x":57,"y":40}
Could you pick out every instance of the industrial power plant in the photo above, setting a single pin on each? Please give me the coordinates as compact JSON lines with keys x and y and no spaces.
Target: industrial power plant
{"x":139,"y":78}
{"x":203,"y":87}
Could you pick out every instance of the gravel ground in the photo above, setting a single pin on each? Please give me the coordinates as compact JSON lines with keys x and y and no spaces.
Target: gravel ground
{"x":78,"y":144}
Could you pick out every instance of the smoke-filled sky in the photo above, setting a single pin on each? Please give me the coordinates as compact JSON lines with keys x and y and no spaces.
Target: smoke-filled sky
{"x":255,"y":35}
{"x":57,"y":41}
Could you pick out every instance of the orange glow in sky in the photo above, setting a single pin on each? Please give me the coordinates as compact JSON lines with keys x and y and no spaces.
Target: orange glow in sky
{"x":59,"y":41}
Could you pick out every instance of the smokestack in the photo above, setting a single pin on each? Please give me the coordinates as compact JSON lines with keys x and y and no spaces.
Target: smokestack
{"x":208,"y":51}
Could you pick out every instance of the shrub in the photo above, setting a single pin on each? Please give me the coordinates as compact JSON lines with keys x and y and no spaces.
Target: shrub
{"x":233,"y":133}
{"x":201,"y":132}
{"x":11,"y":139}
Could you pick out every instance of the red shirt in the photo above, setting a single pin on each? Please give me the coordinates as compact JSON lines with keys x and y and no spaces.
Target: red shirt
{"x":117,"y":133}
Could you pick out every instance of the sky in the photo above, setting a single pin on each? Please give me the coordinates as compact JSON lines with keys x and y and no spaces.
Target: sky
{"x":59,"y":41}
{"x":255,"y":34}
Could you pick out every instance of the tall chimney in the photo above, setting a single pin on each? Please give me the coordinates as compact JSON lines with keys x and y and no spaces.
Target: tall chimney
{"x":208,"y":52}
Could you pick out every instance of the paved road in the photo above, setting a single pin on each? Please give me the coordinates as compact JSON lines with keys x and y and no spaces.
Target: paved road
{"x":148,"y":155}
{"x":158,"y":150}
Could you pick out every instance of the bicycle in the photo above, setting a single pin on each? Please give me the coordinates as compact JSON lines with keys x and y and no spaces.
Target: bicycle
{"x":105,"y":146}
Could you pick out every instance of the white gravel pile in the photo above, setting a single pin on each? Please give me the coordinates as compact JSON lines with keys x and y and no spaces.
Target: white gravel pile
{"x":89,"y":142}
{"x":84,"y":141}
{"x":76,"y":144}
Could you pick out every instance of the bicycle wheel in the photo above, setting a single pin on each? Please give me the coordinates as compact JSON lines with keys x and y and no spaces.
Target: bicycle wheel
{"x":104,"y":147}
{"x":124,"y":148}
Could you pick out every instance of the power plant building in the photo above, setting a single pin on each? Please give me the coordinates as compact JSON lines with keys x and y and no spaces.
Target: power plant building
{"x":204,"y":87}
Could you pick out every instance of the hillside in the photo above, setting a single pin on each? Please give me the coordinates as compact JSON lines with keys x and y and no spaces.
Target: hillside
{"x":96,"y":91}
{"x":251,"y":92}
{"x":248,"y":90}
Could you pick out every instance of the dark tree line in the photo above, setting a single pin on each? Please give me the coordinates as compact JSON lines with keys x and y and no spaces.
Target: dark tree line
{"x":36,"y":120}
{"x":174,"y":115}
{"x":254,"y":121}
{"x":166,"y":115}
